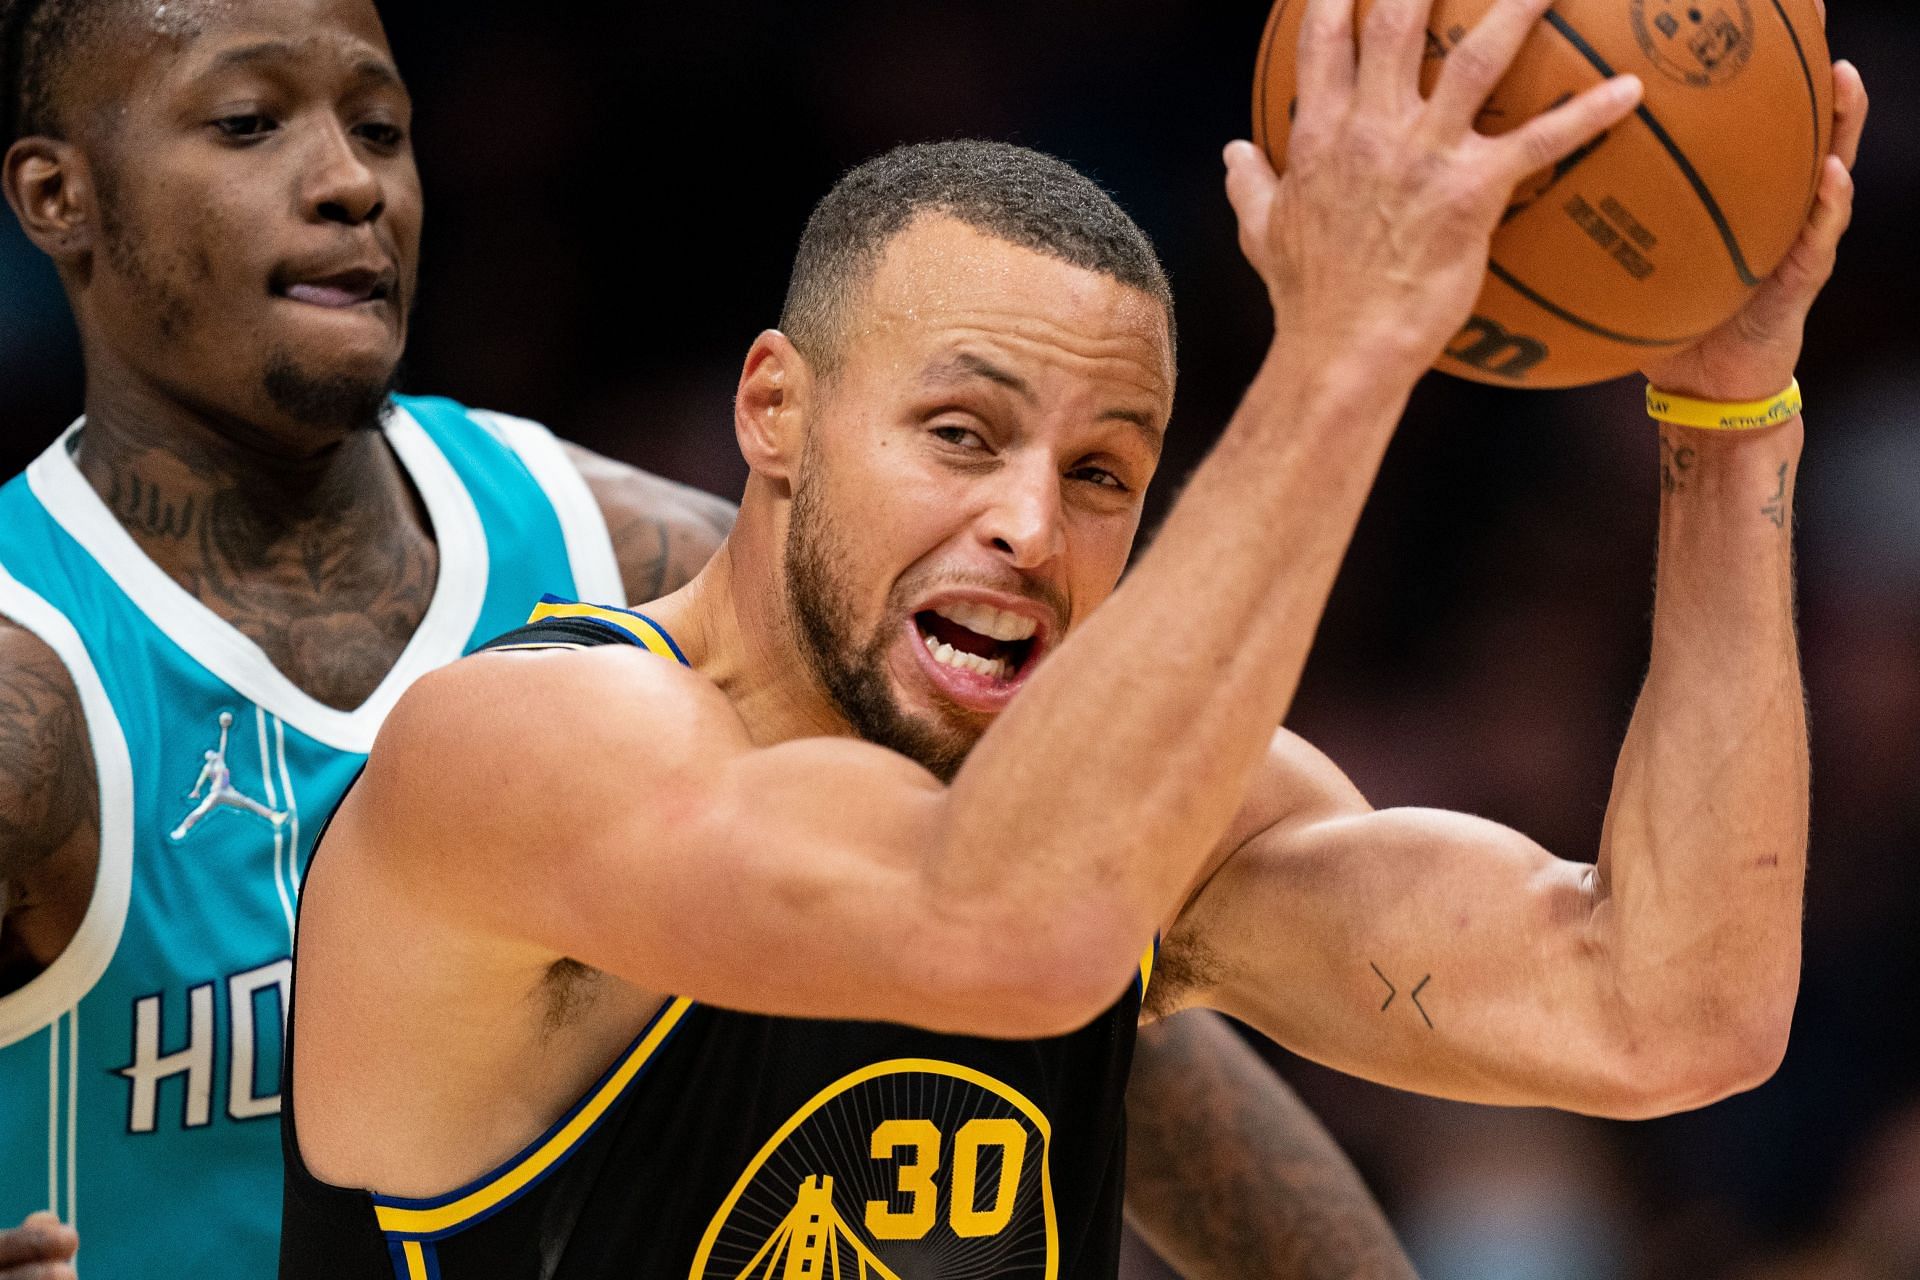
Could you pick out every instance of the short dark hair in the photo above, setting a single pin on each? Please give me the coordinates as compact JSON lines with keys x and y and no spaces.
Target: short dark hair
{"x":40,"y":40}
{"x":1019,"y":195}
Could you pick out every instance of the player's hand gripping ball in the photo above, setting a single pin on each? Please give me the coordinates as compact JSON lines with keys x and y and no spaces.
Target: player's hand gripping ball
{"x":1649,"y":238}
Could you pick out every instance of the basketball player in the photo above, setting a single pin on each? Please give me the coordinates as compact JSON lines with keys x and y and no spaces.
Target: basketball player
{"x":864,"y":838}
{"x":214,"y":590}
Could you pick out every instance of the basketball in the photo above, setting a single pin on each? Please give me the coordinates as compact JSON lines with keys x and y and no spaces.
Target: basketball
{"x":1655,"y":233}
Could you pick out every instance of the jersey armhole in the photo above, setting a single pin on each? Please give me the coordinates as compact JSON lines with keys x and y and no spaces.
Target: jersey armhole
{"x":596,"y":570}
{"x":73,"y":974}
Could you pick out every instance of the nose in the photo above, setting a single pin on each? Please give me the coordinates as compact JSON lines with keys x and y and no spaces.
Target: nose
{"x":340,"y":186}
{"x":1024,"y":520}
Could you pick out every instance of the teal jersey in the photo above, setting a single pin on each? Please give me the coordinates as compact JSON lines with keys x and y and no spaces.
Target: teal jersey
{"x":140,"y":1074}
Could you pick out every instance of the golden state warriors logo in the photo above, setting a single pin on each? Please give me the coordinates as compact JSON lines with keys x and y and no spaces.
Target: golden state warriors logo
{"x":905,"y":1170}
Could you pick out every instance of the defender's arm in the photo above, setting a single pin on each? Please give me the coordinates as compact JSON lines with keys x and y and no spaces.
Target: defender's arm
{"x":663,"y":533}
{"x":1230,"y":1176}
{"x":48,"y":808}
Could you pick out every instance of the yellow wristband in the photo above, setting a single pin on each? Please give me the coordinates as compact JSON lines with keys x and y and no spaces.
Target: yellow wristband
{"x":1715,"y":415}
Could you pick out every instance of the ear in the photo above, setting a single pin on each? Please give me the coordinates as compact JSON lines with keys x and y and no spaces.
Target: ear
{"x":771,"y":408}
{"x":50,"y":186}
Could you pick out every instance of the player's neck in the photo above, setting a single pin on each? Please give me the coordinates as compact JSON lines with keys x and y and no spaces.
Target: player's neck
{"x":733,"y":625}
{"x":211,"y":500}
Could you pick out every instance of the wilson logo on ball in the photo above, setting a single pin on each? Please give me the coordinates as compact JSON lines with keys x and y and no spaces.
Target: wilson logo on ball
{"x":1698,"y":42}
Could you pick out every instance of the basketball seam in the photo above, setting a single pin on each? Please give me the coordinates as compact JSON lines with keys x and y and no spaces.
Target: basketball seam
{"x":1548,"y":305}
{"x":1665,"y":139}
{"x":1813,"y":98}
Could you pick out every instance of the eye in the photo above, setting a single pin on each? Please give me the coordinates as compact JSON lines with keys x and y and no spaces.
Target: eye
{"x":387,"y":137}
{"x":960,"y":437}
{"x":1100,"y":476}
{"x":245,"y":128}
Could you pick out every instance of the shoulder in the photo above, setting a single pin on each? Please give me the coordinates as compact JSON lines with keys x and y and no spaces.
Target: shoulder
{"x":663,"y":533}
{"x":468,"y":737}
{"x":1295,"y":788}
{"x":46,"y":776}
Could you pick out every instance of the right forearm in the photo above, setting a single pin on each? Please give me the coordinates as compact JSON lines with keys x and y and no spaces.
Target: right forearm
{"x":1167,"y":696}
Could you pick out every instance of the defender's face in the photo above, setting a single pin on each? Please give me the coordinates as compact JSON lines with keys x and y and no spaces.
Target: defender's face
{"x":974,"y":477}
{"x":260,"y":207}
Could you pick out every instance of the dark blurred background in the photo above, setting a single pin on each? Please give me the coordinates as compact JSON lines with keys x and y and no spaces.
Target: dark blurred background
{"x":614,"y":192}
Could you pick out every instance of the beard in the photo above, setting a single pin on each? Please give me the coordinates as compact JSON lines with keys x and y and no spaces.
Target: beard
{"x":326,"y":401}
{"x":852,"y":669}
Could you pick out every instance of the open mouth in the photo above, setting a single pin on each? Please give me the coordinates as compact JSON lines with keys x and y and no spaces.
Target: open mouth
{"x":340,"y":290}
{"x":979,"y":639}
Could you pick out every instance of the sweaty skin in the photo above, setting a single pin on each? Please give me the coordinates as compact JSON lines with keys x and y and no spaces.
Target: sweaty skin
{"x":306,"y":538}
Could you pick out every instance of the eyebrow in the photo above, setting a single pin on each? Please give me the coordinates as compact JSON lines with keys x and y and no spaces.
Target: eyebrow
{"x":281,"y":51}
{"x":965,"y":365}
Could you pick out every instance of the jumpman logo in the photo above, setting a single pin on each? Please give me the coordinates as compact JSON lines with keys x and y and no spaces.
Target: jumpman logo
{"x":217,"y":780}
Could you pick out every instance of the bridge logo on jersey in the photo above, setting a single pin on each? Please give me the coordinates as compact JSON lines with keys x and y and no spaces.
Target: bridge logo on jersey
{"x":216,"y":780}
{"x":912,"y":1169}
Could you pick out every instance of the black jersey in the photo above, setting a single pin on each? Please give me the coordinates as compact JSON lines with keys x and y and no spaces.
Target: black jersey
{"x":733,"y":1146}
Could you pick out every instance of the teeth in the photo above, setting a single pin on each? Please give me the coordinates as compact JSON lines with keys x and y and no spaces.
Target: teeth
{"x":947,"y":655}
{"x":996,"y":624}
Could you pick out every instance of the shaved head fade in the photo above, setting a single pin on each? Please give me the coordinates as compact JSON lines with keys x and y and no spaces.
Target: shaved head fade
{"x":1012,"y":193}
{"x":41,"y":43}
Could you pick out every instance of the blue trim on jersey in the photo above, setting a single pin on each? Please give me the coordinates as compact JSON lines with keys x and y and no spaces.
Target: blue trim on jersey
{"x":624,"y":635}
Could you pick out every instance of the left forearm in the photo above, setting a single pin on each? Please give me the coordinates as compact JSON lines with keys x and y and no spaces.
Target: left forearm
{"x":1704,"y":854}
{"x":1230,"y":1177}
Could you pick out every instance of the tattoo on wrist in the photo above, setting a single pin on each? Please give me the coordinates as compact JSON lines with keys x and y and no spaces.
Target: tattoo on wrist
{"x":1393,"y":992}
{"x":1675,"y":462}
{"x":1776,"y":508}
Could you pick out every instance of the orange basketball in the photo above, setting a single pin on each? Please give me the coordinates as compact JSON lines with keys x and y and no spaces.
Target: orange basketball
{"x":1658,"y":231}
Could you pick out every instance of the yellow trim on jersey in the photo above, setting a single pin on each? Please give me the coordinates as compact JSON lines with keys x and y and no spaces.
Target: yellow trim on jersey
{"x":898,"y":1066}
{"x":416,"y":1259}
{"x":634,"y":625}
{"x":1146,"y":968}
{"x":397,"y":1219}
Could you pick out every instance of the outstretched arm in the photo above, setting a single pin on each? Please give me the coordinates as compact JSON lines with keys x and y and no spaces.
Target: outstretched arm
{"x":1440,"y":952}
{"x":1230,"y":1177}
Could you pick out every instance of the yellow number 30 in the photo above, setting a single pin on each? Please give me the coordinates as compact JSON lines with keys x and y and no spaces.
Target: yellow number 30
{"x":922,"y":1140}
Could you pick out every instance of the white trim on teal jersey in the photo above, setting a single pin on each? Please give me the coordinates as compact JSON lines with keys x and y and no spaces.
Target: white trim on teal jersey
{"x":43,"y":1000}
{"x":596,"y":571}
{"x":458,"y":592}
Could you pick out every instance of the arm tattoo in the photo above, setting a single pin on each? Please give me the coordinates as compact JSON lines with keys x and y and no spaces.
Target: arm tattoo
{"x":663,"y":533}
{"x":1230,"y":1177}
{"x":1776,"y":508}
{"x":46,"y":786}
{"x":1393,"y":991}
{"x":1675,"y":462}
{"x":48,"y":805}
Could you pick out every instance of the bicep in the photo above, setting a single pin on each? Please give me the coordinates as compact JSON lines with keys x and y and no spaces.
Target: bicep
{"x":47,"y":786}
{"x":1428,"y":950}
{"x":633,"y":826}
